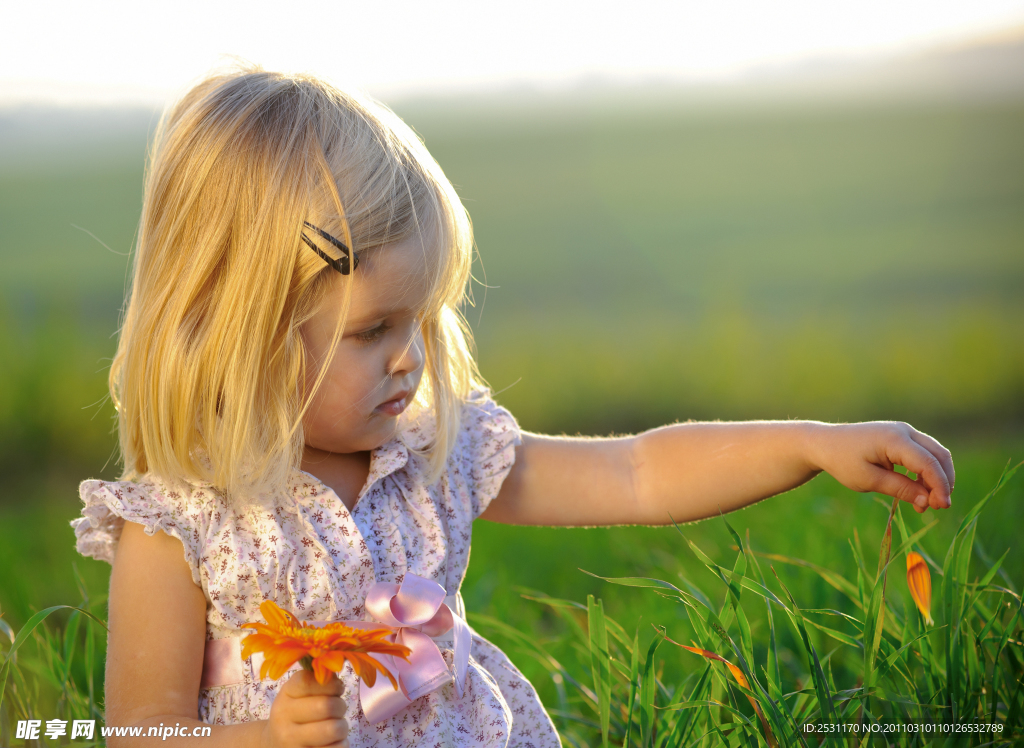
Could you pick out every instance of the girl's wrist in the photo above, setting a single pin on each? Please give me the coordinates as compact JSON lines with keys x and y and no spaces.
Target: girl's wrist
{"x":266,"y":739}
{"x":814,"y":435}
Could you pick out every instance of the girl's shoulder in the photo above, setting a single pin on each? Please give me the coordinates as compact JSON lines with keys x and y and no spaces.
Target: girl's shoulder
{"x":485,"y":450}
{"x":486,"y":422}
{"x":184,"y":511}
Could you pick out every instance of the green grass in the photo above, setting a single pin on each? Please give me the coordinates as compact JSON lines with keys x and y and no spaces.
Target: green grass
{"x":866,"y":661}
{"x":525,"y":590}
{"x":814,"y":522}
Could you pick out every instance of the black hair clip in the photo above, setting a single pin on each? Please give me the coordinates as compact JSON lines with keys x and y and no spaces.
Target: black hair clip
{"x":342,"y":263}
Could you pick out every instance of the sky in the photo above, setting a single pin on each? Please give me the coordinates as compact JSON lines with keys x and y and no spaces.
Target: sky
{"x":109,"y":51}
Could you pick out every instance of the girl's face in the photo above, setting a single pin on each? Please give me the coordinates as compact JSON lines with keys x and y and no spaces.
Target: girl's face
{"x":379,"y":358}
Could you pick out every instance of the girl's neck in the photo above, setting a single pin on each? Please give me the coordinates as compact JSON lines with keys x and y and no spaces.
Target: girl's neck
{"x":345,"y":474}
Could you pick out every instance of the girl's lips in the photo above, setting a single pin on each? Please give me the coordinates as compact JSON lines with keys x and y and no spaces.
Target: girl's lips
{"x":393,"y":407}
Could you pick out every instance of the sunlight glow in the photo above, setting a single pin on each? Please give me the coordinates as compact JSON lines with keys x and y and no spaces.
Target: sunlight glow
{"x":115,"y":50}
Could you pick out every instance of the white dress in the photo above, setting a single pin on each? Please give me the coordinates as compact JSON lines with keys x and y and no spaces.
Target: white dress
{"x":311,"y":556}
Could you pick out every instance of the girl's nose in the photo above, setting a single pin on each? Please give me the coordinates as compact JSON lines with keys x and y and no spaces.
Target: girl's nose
{"x":410,"y":357}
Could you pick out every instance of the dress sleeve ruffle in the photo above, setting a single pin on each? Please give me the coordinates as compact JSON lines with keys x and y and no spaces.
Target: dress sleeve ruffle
{"x":491,"y":435}
{"x":108,"y":505}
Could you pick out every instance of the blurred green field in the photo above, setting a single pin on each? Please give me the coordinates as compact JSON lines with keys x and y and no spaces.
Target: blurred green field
{"x":839,"y":263}
{"x":833,"y":263}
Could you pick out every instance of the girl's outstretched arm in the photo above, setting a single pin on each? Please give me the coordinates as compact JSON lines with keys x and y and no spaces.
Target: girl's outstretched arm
{"x":696,"y":470}
{"x":155,"y":650}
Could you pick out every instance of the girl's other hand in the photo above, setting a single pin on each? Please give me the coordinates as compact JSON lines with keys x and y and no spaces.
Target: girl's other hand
{"x":861,"y":456}
{"x":307,"y":714}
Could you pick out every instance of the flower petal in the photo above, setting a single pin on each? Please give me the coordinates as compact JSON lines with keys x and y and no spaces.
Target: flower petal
{"x":333,"y":660}
{"x":276,"y":617}
{"x":366,"y":671}
{"x":255,"y":643}
{"x":742,"y":680}
{"x":919,"y":580}
{"x":736,"y":672}
{"x":368,"y":666}
{"x":281,"y":658}
{"x":320,"y":672}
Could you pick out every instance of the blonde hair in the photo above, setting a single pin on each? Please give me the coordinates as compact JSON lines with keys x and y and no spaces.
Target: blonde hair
{"x":209,"y":371}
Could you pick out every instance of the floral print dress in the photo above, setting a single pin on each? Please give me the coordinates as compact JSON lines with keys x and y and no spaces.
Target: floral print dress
{"x":304,"y":550}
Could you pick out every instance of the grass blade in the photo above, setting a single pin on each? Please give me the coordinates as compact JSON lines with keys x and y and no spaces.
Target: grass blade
{"x":874,"y":619}
{"x":825,"y":703}
{"x":600,"y":663}
{"x":634,"y":676}
{"x":26,"y":632}
{"x":648,"y":692}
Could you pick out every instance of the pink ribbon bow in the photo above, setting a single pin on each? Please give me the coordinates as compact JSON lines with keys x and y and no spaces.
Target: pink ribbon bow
{"x":416,"y":611}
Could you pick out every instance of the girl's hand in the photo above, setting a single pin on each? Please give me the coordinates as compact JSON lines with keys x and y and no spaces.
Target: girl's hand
{"x":861,"y":456}
{"x":307,"y":714}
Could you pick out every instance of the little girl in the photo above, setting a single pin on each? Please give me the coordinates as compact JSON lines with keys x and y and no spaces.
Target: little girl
{"x":301,"y":420}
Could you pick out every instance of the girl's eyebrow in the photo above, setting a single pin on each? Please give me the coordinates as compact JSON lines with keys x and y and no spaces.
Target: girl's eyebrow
{"x":379,"y":314}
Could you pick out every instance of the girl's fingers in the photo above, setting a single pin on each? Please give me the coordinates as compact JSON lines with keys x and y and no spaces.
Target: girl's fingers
{"x":924,"y":490}
{"x":317,"y":708}
{"x":939,"y":452}
{"x":328,"y":732}
{"x":304,"y":683}
{"x":900,"y":486}
{"x":917,"y":459}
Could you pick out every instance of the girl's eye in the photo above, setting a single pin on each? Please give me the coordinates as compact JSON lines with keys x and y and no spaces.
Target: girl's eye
{"x":369,"y":336}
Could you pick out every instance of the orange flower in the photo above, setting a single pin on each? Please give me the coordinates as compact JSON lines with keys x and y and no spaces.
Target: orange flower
{"x":919,"y":580}
{"x":285,"y":640}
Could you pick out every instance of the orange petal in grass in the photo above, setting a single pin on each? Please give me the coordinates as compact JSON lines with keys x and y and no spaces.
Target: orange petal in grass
{"x":742,"y":680}
{"x":919,"y":580}
{"x":736,"y":672}
{"x":285,"y":640}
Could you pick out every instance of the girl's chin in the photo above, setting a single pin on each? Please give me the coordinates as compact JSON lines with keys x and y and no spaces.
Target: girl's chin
{"x":368,"y":443}
{"x":387,"y":429}
{"x":377,"y":431}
